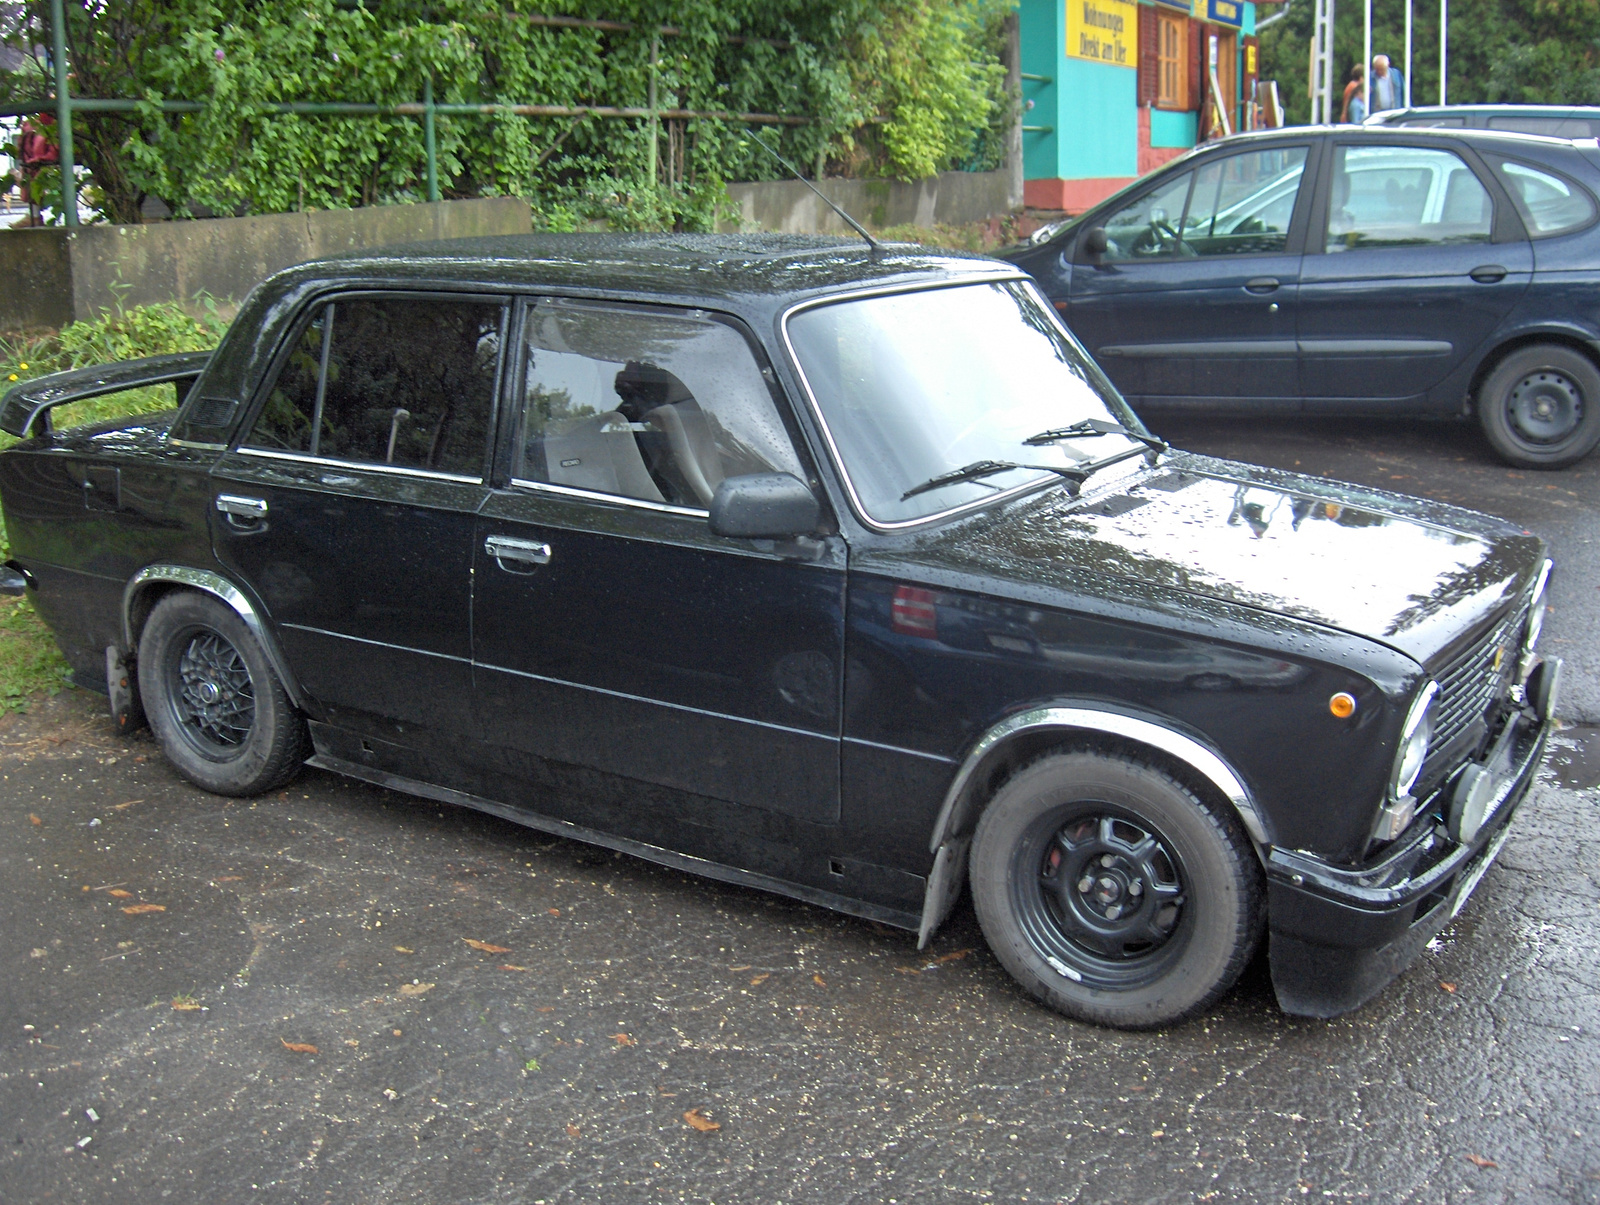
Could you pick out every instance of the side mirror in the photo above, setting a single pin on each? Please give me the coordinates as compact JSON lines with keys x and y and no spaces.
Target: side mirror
{"x":1094,"y":240}
{"x":764,"y":506}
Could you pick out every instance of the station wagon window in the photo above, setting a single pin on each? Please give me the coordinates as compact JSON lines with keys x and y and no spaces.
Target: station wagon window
{"x":408,"y":382}
{"x":1236,"y":205}
{"x":1402,"y":196}
{"x":644,"y":404}
{"x":1549,"y":203}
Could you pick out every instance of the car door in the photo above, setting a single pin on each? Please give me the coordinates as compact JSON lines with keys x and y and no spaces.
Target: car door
{"x":348,"y":505}
{"x":612,"y":630}
{"x":1415,"y":258}
{"x":1192,"y":302}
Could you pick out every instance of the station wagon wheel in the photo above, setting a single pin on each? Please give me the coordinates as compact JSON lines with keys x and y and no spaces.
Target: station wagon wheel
{"x":1112,"y":892}
{"x":222,"y":717}
{"x":1540,"y":407}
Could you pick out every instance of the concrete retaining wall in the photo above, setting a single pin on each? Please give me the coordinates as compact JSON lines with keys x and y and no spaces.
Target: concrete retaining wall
{"x":52,"y":276}
{"x":788,"y":206}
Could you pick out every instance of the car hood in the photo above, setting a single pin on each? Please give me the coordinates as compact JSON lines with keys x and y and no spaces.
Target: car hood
{"x":1414,"y":575}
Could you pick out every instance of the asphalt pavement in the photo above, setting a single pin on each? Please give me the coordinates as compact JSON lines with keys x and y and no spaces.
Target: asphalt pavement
{"x":337,"y":993}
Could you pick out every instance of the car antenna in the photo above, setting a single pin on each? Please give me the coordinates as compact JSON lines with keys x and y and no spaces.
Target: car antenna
{"x":877,"y":247}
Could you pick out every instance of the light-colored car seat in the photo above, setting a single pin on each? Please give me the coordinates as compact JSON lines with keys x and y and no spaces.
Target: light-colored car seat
{"x":600,"y":453}
{"x":693,"y":449}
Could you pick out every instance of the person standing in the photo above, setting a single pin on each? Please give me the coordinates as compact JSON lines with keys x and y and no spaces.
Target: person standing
{"x":1388,"y":85}
{"x":1354,"y":109}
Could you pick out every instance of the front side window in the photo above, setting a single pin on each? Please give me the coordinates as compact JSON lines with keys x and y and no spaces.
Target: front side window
{"x":404,"y":382}
{"x":1147,"y":227}
{"x":644,"y":404}
{"x":1401,"y":196}
{"x":1242,"y":204}
{"x":1549,"y":204}
{"x":915,"y":385}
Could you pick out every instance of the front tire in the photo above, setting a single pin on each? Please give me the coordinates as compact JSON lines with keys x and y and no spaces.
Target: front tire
{"x":1113,"y":893}
{"x":1540,"y":407}
{"x":219,"y":712}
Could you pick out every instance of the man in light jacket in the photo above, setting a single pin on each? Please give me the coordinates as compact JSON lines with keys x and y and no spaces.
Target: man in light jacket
{"x":1388,"y":85}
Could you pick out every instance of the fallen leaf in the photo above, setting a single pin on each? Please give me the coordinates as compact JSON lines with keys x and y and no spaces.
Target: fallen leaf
{"x":485,"y":946}
{"x":136,"y":909}
{"x":117,"y":807}
{"x":185,"y":1005}
{"x":572,"y":1129}
{"x":746,"y":967}
{"x":758,"y":980}
{"x":701,"y":1122}
{"x":819,"y":981}
{"x":1480,"y":1161}
{"x":32,"y":819}
{"x":397,"y":1033}
{"x":404,"y":950}
{"x":415,"y":989}
{"x":300,"y":1047}
{"x":553,"y":911}
{"x":506,"y":966}
{"x":545,"y":1008}
{"x":1449,"y":987}
{"x":231,"y":878}
{"x":908,"y":970}
{"x":954,"y":955}
{"x":352,"y":1042}
{"x":120,"y":894}
{"x":622,"y":1039}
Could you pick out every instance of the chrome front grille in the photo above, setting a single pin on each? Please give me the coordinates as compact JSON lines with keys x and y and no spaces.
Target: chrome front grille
{"x":1469,"y":685}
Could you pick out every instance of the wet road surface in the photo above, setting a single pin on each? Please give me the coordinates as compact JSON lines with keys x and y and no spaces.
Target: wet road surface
{"x":279,"y":1000}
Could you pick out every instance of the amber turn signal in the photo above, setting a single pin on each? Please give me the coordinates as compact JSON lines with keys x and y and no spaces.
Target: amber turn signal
{"x":1342,"y":705}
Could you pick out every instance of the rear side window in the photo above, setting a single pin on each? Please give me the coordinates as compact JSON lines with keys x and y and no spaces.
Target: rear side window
{"x":407,"y":382}
{"x":1402,"y":196}
{"x":1549,"y":203}
{"x":1551,"y":127}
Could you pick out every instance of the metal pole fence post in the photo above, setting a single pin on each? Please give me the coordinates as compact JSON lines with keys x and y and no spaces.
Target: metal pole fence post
{"x":1366,"y":62}
{"x":58,"y":52}
{"x":430,"y":140}
{"x":1408,"y":53}
{"x":1444,"y":62}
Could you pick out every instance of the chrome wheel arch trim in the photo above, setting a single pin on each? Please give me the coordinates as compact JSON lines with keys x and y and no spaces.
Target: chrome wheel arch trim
{"x":1203,"y":761}
{"x":218,"y":587}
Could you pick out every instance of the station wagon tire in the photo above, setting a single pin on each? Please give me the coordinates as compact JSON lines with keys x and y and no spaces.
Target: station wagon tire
{"x":216,"y":707}
{"x":1112,"y":892}
{"x":1540,"y":407}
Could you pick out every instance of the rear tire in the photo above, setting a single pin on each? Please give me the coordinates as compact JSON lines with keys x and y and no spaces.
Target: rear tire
{"x":1113,"y":893}
{"x":1540,"y":407}
{"x":222,"y":717}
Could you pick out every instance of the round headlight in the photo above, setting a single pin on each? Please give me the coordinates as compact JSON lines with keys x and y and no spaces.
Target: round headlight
{"x":1536,"y":611}
{"x":1414,"y":739}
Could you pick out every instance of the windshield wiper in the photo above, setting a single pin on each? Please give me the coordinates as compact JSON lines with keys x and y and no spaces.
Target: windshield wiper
{"x":1075,"y":474}
{"x":1091,"y":427}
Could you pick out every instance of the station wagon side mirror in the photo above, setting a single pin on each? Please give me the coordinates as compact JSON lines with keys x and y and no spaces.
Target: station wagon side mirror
{"x":1094,"y":240}
{"x":764,"y":506}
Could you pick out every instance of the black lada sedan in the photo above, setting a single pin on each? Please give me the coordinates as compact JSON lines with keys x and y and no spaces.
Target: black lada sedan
{"x":1351,"y":270}
{"x":840,"y":573}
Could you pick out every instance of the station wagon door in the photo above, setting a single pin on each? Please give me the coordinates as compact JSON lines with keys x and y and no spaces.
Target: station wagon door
{"x":348,"y":504}
{"x":612,"y":630}
{"x":1410,"y":267}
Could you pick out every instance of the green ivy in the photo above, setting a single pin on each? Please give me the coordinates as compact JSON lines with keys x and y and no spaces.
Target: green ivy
{"x":891,"y":87}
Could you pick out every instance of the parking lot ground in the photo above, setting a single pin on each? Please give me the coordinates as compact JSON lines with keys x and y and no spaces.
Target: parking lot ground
{"x":340,"y":993}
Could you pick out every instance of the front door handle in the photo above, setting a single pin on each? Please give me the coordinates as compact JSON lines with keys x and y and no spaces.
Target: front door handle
{"x":526,"y":552}
{"x":1488,"y":274}
{"x":1261,"y":284}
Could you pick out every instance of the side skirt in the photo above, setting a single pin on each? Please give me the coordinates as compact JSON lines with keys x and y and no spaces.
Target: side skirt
{"x":639,"y":849}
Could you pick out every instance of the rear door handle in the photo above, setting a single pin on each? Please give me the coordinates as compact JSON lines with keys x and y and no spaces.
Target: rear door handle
{"x":1261,"y":284}
{"x":1488,"y":274}
{"x":526,"y":552}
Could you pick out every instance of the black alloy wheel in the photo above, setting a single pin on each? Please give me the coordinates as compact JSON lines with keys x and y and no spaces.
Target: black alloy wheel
{"x":1540,"y":407}
{"x":1112,"y":892}
{"x":213,"y":701}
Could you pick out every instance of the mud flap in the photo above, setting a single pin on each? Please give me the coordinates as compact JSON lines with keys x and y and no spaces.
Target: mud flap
{"x":944,"y":887}
{"x":122,"y":688}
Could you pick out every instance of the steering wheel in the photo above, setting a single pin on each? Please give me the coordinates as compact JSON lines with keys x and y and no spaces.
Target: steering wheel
{"x":1170,"y":240}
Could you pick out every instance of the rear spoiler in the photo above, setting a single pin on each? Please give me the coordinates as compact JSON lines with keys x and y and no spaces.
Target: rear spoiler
{"x":26,"y":402}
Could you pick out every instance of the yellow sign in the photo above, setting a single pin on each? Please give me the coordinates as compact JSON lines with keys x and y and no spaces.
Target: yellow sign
{"x":1103,"y":31}
{"x":1222,"y":12}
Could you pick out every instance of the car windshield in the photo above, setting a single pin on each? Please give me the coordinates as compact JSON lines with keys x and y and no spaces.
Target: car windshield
{"x":918,"y":384}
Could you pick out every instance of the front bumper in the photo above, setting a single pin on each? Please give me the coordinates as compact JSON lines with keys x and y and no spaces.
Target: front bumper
{"x":1337,"y":937}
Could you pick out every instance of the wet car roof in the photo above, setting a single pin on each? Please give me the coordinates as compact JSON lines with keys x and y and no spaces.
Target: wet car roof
{"x":780,"y":267}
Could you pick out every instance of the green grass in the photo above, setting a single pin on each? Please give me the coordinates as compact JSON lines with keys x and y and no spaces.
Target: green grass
{"x":29,"y":661}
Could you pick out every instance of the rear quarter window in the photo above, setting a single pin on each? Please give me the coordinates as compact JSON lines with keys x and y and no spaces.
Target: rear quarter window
{"x":1549,"y":202}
